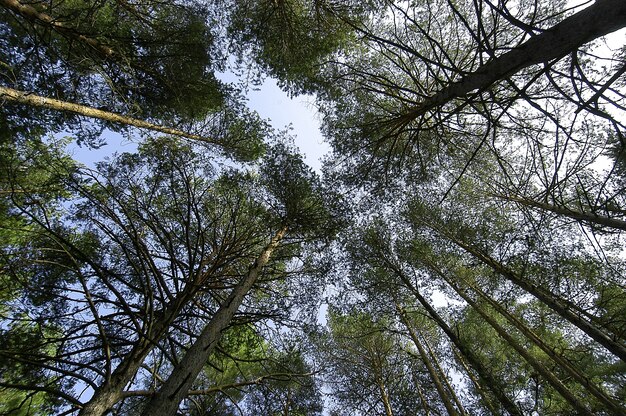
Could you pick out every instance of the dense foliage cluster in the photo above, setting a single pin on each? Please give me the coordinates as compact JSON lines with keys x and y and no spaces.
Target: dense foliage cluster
{"x":462,"y":252}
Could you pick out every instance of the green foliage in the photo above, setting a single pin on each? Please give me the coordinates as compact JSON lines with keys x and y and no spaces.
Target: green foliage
{"x":298,"y":196}
{"x":291,"y":39}
{"x":249,"y":373}
{"x":34,"y":392}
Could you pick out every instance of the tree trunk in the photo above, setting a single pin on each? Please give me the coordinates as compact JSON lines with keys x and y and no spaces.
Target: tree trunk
{"x":484,"y":374}
{"x":585,"y":217}
{"x":31,"y":14}
{"x":418,"y":389}
{"x":599,"y":19}
{"x":455,"y":398}
{"x":384,"y":396}
{"x":566,"y":365}
{"x":167,"y":400}
{"x":564,"y":308}
{"x":479,"y":388}
{"x":536,"y":365}
{"x":427,"y":362}
{"x":112,"y":390}
{"x":25,"y":98}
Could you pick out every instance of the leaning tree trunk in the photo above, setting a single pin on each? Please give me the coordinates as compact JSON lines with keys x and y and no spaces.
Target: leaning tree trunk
{"x":584,"y":217}
{"x":534,"y":363}
{"x":565,"y":364}
{"x":566,"y":309}
{"x":563,"y":307}
{"x":455,"y":398}
{"x":106,"y":52}
{"x":477,"y":385}
{"x":25,"y":98}
{"x":167,"y":400}
{"x":427,"y":362}
{"x":112,"y":390}
{"x":599,"y":19}
{"x":483,"y":373}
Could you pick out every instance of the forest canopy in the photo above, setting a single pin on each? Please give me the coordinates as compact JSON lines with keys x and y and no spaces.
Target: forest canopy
{"x":461,"y":251}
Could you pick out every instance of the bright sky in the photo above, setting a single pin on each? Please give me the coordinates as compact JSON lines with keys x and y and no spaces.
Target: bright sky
{"x":273,"y":104}
{"x":270,"y":102}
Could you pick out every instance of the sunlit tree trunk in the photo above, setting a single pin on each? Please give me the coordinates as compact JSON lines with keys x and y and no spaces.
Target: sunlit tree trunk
{"x":427,"y":362}
{"x":25,"y":98}
{"x":167,"y":400}
{"x":384,"y":396}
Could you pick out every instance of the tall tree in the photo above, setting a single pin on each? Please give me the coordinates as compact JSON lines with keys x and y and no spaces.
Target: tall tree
{"x":301,"y":209}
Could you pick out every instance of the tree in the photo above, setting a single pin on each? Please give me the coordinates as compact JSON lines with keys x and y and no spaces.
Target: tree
{"x":144,"y":59}
{"x":413,"y":61}
{"x":375,"y":252}
{"x":300,"y":209}
{"x":161,"y":230}
{"x":33,"y":176}
{"x":362,"y":363}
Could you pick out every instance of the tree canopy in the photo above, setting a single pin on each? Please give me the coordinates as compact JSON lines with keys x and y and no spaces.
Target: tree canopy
{"x":461,"y":252}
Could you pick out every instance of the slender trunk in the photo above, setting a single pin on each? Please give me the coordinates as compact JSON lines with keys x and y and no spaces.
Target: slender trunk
{"x":565,"y":364}
{"x":564,"y":308}
{"x":485,"y":375}
{"x":287,"y":403}
{"x":33,"y":15}
{"x":112,"y":390}
{"x":534,"y":363}
{"x":421,"y":395}
{"x":599,"y":19}
{"x":427,"y":362}
{"x":384,"y":396}
{"x":167,"y":400}
{"x":570,"y":213}
{"x":455,"y":398}
{"x":479,"y":388}
{"x":25,"y":98}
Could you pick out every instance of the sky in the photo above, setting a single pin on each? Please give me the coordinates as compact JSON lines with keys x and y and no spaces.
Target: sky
{"x":269,"y":101}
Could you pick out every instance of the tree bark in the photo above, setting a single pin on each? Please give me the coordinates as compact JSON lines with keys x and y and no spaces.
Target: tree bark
{"x":566,"y":309}
{"x":585,"y":217}
{"x":167,"y":400}
{"x":484,"y":374}
{"x":427,"y":362}
{"x":599,"y":19}
{"x":34,"y":100}
{"x":479,"y":388}
{"x":112,"y":390}
{"x":385,"y":399}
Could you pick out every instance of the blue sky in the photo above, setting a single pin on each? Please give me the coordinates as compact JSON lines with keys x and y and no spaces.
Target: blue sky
{"x":270,"y":102}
